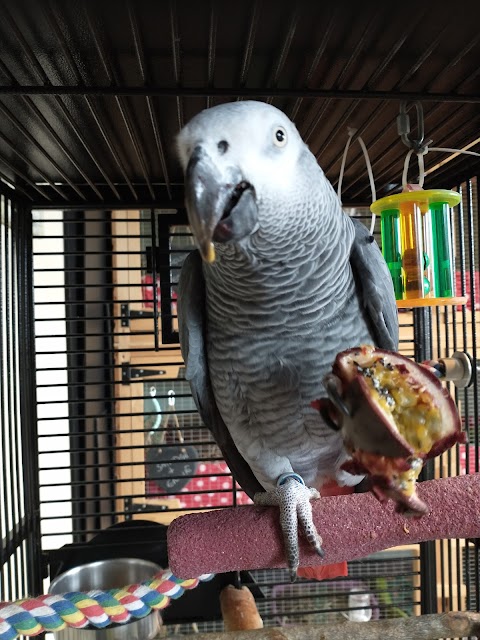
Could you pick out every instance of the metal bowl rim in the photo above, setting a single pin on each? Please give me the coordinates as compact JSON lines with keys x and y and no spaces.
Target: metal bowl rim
{"x":73,"y":570}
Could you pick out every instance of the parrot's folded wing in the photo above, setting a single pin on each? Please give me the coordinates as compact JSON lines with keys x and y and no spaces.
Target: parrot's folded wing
{"x":375,"y":285}
{"x":192,"y":330}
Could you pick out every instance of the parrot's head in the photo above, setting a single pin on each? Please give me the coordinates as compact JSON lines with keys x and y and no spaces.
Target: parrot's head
{"x":247,"y":171}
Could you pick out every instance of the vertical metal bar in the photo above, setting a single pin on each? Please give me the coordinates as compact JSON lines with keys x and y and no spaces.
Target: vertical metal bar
{"x":474,"y":269}
{"x":422,"y":342}
{"x":20,"y":566}
{"x":473,"y":214}
{"x":164,"y":276}
{"x":163,"y":241}
{"x":153,"y":231}
{"x":422,"y":333}
{"x":443,"y":545}
{"x":449,"y":545}
{"x":30,"y":423}
{"x":28,"y":556}
{"x":6,"y":375}
{"x":444,"y":348}
{"x":464,"y":562}
{"x":457,"y":219}
{"x":3,"y":443}
{"x":17,"y":461}
{"x":461,"y":242}
{"x":75,"y":240}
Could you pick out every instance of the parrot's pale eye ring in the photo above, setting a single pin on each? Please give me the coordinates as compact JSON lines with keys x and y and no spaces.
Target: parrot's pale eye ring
{"x":280,"y":137}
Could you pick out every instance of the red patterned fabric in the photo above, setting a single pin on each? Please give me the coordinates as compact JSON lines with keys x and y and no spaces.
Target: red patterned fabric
{"x":210,"y":488}
{"x":472,"y":456}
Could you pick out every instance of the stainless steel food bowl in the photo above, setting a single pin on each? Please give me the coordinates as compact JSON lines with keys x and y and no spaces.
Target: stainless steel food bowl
{"x":109,"y":574}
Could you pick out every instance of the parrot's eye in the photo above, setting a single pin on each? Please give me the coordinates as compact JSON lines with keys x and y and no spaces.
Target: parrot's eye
{"x":280,"y":137}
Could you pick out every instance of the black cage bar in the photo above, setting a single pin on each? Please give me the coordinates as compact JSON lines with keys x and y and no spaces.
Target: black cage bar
{"x":92,"y":95}
{"x":20,"y":552}
{"x":113,"y":410}
{"x":100,"y":442}
{"x":121,"y":434}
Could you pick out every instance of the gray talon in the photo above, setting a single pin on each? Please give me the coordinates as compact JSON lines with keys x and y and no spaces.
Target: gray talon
{"x":293,"y":498}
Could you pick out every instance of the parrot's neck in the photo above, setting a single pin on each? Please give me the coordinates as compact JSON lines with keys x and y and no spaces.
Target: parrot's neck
{"x":296,"y":267}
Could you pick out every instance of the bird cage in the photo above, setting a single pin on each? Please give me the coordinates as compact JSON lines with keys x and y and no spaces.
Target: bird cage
{"x":101,"y":446}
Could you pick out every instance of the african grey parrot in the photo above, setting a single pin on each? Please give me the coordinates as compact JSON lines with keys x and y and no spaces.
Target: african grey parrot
{"x":287,"y":281}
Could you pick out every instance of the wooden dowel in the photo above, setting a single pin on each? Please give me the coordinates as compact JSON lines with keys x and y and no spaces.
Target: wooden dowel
{"x":239,"y":609}
{"x":428,"y":627}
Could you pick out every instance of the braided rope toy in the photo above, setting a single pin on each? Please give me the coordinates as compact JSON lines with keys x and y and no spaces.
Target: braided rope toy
{"x":29,"y":617}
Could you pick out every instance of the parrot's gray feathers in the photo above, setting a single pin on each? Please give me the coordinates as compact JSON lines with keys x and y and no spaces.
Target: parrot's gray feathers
{"x":374,"y":282}
{"x":288,"y":281}
{"x":192,"y":327}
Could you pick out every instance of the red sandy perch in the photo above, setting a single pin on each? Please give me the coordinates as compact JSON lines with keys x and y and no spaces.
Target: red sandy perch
{"x":351,"y":526}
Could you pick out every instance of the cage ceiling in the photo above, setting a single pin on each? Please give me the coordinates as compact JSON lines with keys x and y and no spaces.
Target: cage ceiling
{"x":93,"y":93}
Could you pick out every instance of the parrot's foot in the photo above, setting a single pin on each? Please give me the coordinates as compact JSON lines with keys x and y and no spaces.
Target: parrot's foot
{"x":293,"y":499}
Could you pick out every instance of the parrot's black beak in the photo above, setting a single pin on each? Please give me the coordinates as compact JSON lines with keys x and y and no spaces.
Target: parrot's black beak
{"x":218,"y":209}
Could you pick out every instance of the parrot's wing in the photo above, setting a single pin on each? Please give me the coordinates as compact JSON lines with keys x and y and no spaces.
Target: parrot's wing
{"x":375,"y":284}
{"x":192,"y":330}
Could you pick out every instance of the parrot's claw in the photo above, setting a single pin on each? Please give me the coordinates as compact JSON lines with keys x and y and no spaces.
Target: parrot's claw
{"x":293,"y":499}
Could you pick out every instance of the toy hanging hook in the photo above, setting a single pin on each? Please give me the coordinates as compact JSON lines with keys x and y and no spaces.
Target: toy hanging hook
{"x":404,"y":130}
{"x":418,"y":146}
